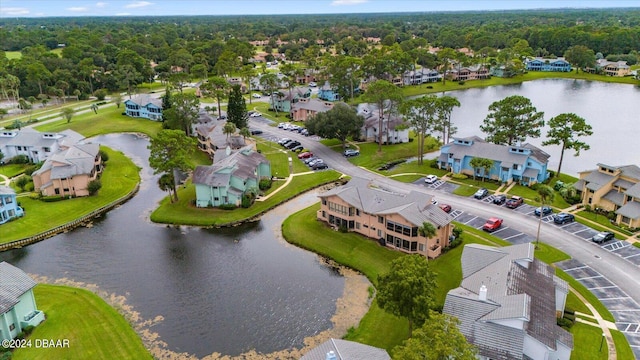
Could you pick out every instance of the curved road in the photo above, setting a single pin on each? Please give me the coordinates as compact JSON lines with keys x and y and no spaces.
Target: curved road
{"x":619,"y":271}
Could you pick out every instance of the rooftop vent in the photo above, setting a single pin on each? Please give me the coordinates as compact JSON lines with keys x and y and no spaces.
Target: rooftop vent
{"x":482,"y":295}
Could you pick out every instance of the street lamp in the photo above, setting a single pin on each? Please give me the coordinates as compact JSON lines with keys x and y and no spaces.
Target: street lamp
{"x":601,"y":342}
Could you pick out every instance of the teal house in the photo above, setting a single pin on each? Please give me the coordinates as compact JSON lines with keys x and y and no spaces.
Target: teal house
{"x":9,"y":208}
{"x":230,"y":177}
{"x":283,"y":103}
{"x":17,"y":303}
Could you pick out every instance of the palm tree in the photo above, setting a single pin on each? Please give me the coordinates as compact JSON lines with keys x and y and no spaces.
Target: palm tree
{"x":545,"y":196}
{"x":245,"y":133}
{"x":228,"y":129}
{"x":428,"y":230}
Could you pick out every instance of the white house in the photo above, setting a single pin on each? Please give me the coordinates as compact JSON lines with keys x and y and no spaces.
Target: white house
{"x":394,"y":129}
{"x":35,"y":145}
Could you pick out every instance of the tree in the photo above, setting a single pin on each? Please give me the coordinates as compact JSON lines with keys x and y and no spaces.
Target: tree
{"x":565,"y":129}
{"x":166,"y":183}
{"x":169,"y":151}
{"x":338,"y":123}
{"x":444,"y":59}
{"x":270,"y":83}
{"x":445,"y":105}
{"x":38,"y":73}
{"x":22,"y":182}
{"x":94,"y":108}
{"x":386,"y":97}
{"x":428,"y":230}
{"x":183,"y":112}
{"x":247,"y":73}
{"x":478,"y":163}
{"x":512,"y":119}
{"x":545,"y":196}
{"x":237,"y":108}
{"x":94,"y":186}
{"x":407,"y":289}
{"x":438,"y":339}
{"x":421,"y":113}
{"x":117,"y":99}
{"x":244,"y":132}
{"x":68,"y":113}
{"x":229,"y":129}
{"x":216,"y":87}
{"x":580,"y":56}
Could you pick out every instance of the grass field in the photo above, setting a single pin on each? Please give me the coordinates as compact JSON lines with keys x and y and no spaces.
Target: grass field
{"x":13,"y":54}
{"x":95,"y":330}
{"x":604,"y":221}
{"x":183,"y":212}
{"x":120,"y":177}
{"x":108,"y":120}
{"x":589,"y":348}
{"x":11,"y":170}
{"x":371,"y":159}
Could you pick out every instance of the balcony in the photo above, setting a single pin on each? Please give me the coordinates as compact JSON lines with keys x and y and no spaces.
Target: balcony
{"x":33,"y":318}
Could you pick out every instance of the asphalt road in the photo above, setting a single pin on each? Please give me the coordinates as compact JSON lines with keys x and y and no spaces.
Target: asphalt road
{"x":619,"y":271}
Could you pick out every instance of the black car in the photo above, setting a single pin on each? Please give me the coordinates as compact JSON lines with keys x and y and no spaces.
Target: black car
{"x":563,"y":218}
{"x":256,"y":132}
{"x":320,"y":166}
{"x":499,"y":199}
{"x":602,"y":237}
{"x":292,"y":144}
{"x":545,"y":210}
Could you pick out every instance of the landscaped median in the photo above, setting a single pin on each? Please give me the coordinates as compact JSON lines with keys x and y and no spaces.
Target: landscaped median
{"x":184,"y":212}
{"x":120,"y":178}
{"x":94,"y":329}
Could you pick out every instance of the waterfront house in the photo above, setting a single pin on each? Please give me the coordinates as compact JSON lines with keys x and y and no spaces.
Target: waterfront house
{"x":420,"y":76}
{"x":328,"y":93}
{"x":465,"y":73}
{"x":508,"y":303}
{"x":285,"y":100}
{"x":9,"y":208}
{"x":230,"y":177}
{"x":208,"y":132}
{"x":613,"y":188}
{"x":308,"y":107}
{"x":386,"y":215}
{"x":36,"y":146}
{"x":338,"y":349}
{"x":610,"y":68}
{"x":17,"y":304}
{"x":542,"y":64}
{"x":525,"y":164}
{"x":144,"y":106}
{"x":394,"y":129}
{"x":69,"y":171}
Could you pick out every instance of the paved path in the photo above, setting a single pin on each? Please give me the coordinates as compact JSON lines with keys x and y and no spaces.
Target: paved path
{"x":4,"y":180}
{"x":605,"y":325}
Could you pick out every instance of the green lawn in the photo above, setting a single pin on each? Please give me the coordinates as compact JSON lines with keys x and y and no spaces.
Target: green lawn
{"x":371,"y":159}
{"x":465,"y":190}
{"x":589,"y":338}
{"x":574,"y":303}
{"x":414,"y":167}
{"x":120,"y":177}
{"x":530,"y":194}
{"x":184,"y":212}
{"x":107,"y":120}
{"x":13,"y":54}
{"x":602,"y":220}
{"x":11,"y":170}
{"x":94,"y":329}
{"x":407,"y":178}
{"x":489,"y":185}
{"x":637,"y":244}
{"x":623,"y":349}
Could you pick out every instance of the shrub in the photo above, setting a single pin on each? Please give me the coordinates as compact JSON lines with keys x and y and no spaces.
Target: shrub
{"x":20,"y":159}
{"x":104,"y":156}
{"x":433,"y":163}
{"x":552,"y":174}
{"x":247,"y":200}
{"x":94,"y":186}
{"x":22,"y":182}
{"x":459,"y":176}
{"x":100,"y":94}
{"x":28,"y":329}
{"x":429,"y":87}
{"x":457,"y":232}
{"x":457,"y":241}
{"x":52,"y":198}
{"x":227,"y":207}
{"x":564,"y":323}
{"x":343,"y":229}
{"x":265,"y":184}
{"x":31,"y":169}
{"x":460,"y":82}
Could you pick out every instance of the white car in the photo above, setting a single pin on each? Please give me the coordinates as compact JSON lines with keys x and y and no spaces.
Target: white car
{"x":312,"y":84}
{"x":430,"y":179}
{"x":256,"y":96}
{"x":255,"y":114}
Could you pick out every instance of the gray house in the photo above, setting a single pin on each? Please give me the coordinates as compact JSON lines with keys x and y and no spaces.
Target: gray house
{"x":508,"y":303}
{"x":35,"y":145}
{"x":337,"y":349}
{"x":17,"y":303}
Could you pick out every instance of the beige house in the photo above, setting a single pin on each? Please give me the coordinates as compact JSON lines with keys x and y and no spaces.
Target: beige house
{"x":613,"y":188}
{"x":69,"y":171}
{"x":611,"y":68}
{"x":390,"y":217}
{"x":305,"y":108}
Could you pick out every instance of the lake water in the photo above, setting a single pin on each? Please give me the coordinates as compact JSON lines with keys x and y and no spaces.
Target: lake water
{"x":613,"y":110}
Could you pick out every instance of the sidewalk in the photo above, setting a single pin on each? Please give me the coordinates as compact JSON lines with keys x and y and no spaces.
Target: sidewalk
{"x":603,"y":324}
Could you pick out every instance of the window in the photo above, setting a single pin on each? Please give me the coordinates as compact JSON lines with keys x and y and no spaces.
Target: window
{"x":420,"y":247}
{"x":414,"y":245}
{"x":358,"y":225}
{"x":12,"y":327}
{"x":57,"y":191}
{"x":357,"y":212}
{"x":515,"y":166}
{"x":324,"y":214}
{"x":19,"y":148}
{"x":324,"y":201}
{"x":379,"y":233}
{"x":380,"y":219}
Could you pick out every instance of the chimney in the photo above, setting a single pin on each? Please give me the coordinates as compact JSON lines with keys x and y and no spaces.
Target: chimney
{"x":482,"y":295}
{"x":331,"y":356}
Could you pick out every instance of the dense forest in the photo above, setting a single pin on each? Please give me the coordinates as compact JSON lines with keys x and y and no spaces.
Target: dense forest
{"x":115,"y":53}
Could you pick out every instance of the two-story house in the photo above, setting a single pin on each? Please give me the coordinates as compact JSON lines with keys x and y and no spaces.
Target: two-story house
{"x":390,"y":217}
{"x":308,"y":107}
{"x":9,"y":208}
{"x":36,"y":146}
{"x":211,"y":138}
{"x":610,"y":68}
{"x":230,"y":177}
{"x":465,"y":73}
{"x":542,"y":64}
{"x":394,"y":129}
{"x":288,"y":99}
{"x":420,"y":76}
{"x":508,"y":303}
{"x":144,"y":106}
{"x":613,"y":188}
{"x":328,"y":93}
{"x":17,"y":304}
{"x":524,"y":164}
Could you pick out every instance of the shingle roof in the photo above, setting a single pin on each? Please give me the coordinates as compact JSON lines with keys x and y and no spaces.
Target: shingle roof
{"x":312,"y":105}
{"x":241,"y":163}
{"x":6,"y":190}
{"x":75,"y":160}
{"x":634,"y":190}
{"x":13,"y":283}
{"x":346,"y":350}
{"x":145,"y":99}
{"x":501,"y":153}
{"x":596,"y":179}
{"x":630,"y":210}
{"x":415,"y":206}
{"x":615,"y":197}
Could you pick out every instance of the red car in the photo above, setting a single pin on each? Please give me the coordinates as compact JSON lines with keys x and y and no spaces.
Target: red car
{"x":305,"y":155}
{"x":445,"y":207}
{"x":492,"y":224}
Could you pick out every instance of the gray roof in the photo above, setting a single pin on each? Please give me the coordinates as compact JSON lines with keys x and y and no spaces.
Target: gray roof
{"x":346,"y":350}
{"x":596,"y":179}
{"x":145,"y":99}
{"x":312,"y":105}
{"x":31,"y":137}
{"x":500,"y":153}
{"x":75,"y":160}
{"x":415,"y":207}
{"x":13,"y":283}
{"x":578,"y":185}
{"x":615,"y":197}
{"x":634,"y":191}
{"x":241,"y":163}
{"x":624,"y":183}
{"x":6,"y":190}
{"x":630,"y":210}
{"x":518,"y":287}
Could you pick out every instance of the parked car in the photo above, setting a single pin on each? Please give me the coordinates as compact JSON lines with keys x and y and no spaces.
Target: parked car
{"x":545,"y":210}
{"x":305,"y":155}
{"x":292,"y":144}
{"x":222,"y":117}
{"x":481,"y":193}
{"x":430,"y":179}
{"x":445,"y":207}
{"x":320,"y":166}
{"x":602,"y":237}
{"x":514,"y":202}
{"x":283,"y":141}
{"x":256,"y":132}
{"x":255,"y":114}
{"x":256,"y":96}
{"x":563,"y":218}
{"x":499,"y":199}
{"x":351,"y":152}
{"x":312,"y":84}
{"x":297,"y":148}
{"x":282,"y":125}
{"x":492,"y":224}
{"x":304,"y":132}
{"x":315,"y":162}
{"x":309,"y":160}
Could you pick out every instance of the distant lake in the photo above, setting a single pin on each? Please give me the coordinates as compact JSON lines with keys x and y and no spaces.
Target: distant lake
{"x":613,"y":110}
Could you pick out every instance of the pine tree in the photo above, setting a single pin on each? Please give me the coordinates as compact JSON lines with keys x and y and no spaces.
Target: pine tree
{"x":237,"y":108}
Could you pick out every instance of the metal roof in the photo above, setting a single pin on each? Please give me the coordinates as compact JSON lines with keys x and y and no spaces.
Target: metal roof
{"x":13,"y":283}
{"x":346,"y":350}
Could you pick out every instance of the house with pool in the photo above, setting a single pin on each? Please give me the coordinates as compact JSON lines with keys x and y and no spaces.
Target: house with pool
{"x":524,"y":164}
{"x":17,"y":304}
